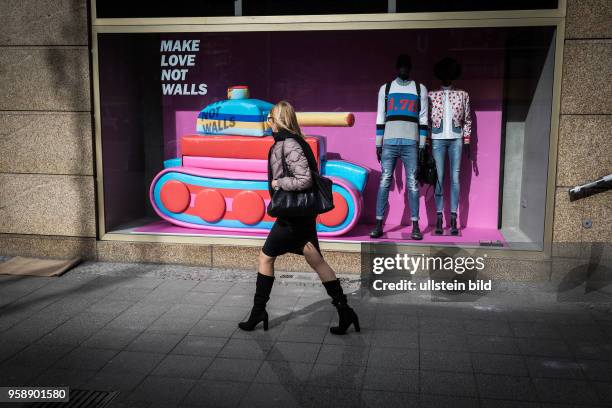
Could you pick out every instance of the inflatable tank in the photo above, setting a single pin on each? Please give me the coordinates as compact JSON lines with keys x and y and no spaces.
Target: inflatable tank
{"x":219,"y":181}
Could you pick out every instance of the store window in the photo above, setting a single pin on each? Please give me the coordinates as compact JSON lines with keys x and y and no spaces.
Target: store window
{"x":191,"y":8}
{"x":180,"y":8}
{"x":284,"y":7}
{"x":411,"y":6}
{"x":184,"y":134}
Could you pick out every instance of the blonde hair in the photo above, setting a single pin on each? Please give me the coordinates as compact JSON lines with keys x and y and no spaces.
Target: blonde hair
{"x":285,"y":117}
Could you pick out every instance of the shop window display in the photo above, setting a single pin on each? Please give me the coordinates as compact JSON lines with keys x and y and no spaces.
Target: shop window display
{"x":184,"y":138}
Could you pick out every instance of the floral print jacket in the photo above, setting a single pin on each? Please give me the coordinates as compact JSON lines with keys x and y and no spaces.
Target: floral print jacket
{"x":460,"y":104}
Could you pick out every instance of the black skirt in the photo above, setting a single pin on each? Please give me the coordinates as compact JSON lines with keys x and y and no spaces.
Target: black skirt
{"x":290,"y":235}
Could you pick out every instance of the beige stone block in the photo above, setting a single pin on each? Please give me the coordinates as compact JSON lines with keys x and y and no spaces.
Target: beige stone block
{"x":50,"y":143}
{"x":154,"y":252}
{"x":516,"y":270}
{"x":598,"y":209}
{"x":588,"y":19}
{"x":239,"y":257}
{"x":340,"y":262}
{"x":598,"y":253}
{"x":586,"y":274}
{"x":43,"y":22}
{"x":344,"y":262}
{"x":292,"y":263}
{"x":497,"y":269}
{"x":47,"y":205}
{"x":44,"y":78}
{"x":587,"y":68}
{"x":567,"y":225}
{"x":568,"y":270}
{"x":242,"y":257}
{"x":585,"y":151}
{"x":47,"y":246}
{"x":574,"y":250}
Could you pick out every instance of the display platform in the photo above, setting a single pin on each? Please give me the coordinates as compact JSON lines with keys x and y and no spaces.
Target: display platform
{"x":397,"y":234}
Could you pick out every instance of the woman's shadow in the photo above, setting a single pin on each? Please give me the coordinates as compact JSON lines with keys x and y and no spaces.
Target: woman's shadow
{"x":306,"y":390}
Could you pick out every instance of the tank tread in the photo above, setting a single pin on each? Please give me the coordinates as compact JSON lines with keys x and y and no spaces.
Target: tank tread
{"x":191,"y":198}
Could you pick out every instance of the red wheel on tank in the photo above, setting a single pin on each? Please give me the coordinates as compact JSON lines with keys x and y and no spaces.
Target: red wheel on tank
{"x":209,"y":205}
{"x":336,"y":216}
{"x":175,"y":196}
{"x":248,"y":207}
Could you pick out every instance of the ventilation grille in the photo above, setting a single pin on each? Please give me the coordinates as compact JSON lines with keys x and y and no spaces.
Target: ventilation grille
{"x":82,"y":399}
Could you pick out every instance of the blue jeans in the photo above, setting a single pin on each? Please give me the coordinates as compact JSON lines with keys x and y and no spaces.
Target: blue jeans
{"x":408,"y":154}
{"x":440,"y":148}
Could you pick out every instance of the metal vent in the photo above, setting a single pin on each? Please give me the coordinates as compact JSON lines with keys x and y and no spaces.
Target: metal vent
{"x":82,"y":399}
{"x":497,"y":243}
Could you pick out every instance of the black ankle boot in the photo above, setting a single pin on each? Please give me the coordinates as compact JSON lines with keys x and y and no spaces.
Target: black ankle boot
{"x":439,"y":230}
{"x":377,"y":232}
{"x":258,"y":312}
{"x":346,"y":314}
{"x":453,"y":223}
{"x":416,"y":231}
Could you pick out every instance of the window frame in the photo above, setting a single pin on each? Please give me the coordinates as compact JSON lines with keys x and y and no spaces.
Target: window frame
{"x":516,"y":18}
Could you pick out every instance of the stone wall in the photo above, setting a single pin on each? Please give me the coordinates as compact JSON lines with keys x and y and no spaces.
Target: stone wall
{"x":585,"y":147}
{"x":47,"y":172}
{"x":47,"y":195}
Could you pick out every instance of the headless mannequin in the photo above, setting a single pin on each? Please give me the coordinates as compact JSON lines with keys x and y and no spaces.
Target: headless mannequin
{"x":447,"y":74}
{"x":404,"y":66}
{"x":403,"y":73}
{"x":448,"y":82}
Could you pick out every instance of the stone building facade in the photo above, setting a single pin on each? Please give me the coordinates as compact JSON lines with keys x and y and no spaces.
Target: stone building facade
{"x":47,"y":166}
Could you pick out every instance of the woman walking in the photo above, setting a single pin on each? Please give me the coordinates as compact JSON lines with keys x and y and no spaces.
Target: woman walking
{"x":293,"y":234}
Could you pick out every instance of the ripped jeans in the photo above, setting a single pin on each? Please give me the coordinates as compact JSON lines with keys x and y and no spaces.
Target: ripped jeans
{"x":440,"y":147}
{"x":409,"y":155}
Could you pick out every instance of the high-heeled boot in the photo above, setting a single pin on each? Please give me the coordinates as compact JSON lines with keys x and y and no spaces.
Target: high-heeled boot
{"x":377,"y":232}
{"x":416,"y":231}
{"x":346,"y":314}
{"x":439,"y":230}
{"x":453,"y":223}
{"x":263,"y":288}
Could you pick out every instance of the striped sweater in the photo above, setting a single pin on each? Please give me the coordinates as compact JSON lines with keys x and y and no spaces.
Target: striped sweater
{"x":403,"y":119}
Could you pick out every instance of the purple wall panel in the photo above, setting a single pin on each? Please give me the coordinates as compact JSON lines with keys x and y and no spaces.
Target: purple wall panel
{"x":342,"y":71}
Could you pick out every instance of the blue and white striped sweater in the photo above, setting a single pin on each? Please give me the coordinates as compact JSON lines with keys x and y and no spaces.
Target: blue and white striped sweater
{"x":404,"y":121}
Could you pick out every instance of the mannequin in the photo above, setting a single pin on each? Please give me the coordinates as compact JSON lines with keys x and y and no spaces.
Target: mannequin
{"x":401,"y":130}
{"x":451,"y":127}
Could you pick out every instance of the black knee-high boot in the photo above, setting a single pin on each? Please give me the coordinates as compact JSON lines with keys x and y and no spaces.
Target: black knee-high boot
{"x":258,"y":312}
{"x":346,"y":314}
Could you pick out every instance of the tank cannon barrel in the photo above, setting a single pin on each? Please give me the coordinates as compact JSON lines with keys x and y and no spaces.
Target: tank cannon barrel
{"x":219,"y":180}
{"x":346,"y":119}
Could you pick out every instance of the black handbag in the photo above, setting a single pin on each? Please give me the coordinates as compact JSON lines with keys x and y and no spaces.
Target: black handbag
{"x":426,"y":172}
{"x":317,"y":199}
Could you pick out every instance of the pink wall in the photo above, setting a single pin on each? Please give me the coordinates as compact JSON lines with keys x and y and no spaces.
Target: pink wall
{"x":479,"y":177}
{"x":337,"y":76}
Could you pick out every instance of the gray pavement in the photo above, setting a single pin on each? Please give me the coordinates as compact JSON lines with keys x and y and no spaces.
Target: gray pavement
{"x":166,"y":336}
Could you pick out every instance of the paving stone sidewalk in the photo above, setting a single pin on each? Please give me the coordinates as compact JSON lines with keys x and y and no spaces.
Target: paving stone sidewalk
{"x":166,"y":336}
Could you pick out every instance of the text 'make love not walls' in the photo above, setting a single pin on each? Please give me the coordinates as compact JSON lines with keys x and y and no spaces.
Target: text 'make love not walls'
{"x":177,"y":56}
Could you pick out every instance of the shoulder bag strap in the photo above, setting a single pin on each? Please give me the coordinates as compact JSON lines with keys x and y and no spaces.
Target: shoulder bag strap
{"x":387,"y":88}
{"x":418,"y":90}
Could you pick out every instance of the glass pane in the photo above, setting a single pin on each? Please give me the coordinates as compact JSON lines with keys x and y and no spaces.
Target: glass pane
{"x":164,"y":95}
{"x":178,"y":8}
{"x":300,"y":7}
{"x":411,"y":6}
{"x":183,"y":8}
